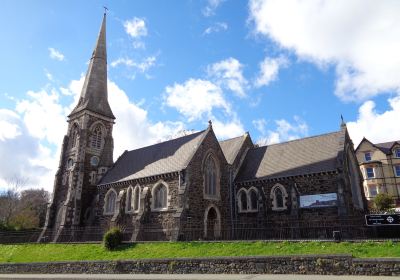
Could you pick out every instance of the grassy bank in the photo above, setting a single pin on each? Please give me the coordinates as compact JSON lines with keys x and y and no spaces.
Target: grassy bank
{"x":66,"y":252}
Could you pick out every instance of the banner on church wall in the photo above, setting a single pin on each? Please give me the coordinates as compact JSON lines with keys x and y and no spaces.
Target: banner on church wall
{"x":318,"y":200}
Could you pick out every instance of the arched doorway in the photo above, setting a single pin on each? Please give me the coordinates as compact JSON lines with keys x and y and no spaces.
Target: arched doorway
{"x":212,"y":223}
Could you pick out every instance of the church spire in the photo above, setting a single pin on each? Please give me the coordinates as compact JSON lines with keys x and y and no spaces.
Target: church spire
{"x":94,"y":92}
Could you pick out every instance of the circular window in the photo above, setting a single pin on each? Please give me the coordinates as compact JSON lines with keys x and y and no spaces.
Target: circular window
{"x":94,"y":161}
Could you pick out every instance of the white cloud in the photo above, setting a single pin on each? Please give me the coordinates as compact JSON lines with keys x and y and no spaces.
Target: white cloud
{"x":9,"y":128}
{"x":360,"y":38}
{"x":376,"y":127}
{"x":229,"y":129}
{"x":269,"y":69}
{"x":211,"y":7}
{"x":196,"y":98}
{"x":55,"y":54}
{"x":260,"y":125}
{"x":228,"y":73}
{"x":31,"y":136}
{"x":136,"y":27}
{"x":142,"y":66}
{"x":284,"y":131}
{"x":216,"y":27}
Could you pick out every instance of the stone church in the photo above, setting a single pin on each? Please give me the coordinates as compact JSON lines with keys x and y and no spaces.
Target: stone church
{"x":195,"y":187}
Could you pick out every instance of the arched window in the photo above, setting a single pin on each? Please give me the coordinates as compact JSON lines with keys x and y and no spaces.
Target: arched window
{"x":242,"y":201}
{"x":74,"y":135}
{"x":97,"y":137}
{"x":70,"y":163}
{"x":210,"y":177}
{"x":279,"y":197}
{"x":128,"y":205}
{"x":136,"y":198}
{"x":160,"y":197}
{"x":109,"y":203}
{"x":253,"y":199}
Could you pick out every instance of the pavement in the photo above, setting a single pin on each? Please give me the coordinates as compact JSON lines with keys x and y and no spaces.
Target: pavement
{"x":192,"y":277}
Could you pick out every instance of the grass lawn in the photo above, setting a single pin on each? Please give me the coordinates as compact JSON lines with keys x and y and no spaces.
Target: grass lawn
{"x":67,"y":252}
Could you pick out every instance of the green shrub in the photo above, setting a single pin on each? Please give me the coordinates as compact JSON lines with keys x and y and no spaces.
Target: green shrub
{"x":112,"y":239}
{"x":383,"y":201}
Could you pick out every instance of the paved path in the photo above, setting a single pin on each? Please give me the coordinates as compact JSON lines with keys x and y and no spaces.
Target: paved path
{"x":191,"y":277}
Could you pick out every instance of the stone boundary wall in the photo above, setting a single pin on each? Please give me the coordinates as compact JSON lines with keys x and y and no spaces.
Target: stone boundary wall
{"x":310,"y":264}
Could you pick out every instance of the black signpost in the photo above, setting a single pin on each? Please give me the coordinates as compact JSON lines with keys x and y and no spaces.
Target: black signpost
{"x":382,"y":219}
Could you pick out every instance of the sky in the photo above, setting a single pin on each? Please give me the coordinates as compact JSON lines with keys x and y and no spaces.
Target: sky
{"x":279,"y":69}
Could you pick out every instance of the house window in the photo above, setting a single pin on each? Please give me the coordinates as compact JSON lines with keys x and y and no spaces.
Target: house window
{"x":136,"y":199}
{"x":279,"y":197}
{"x":397,"y":153}
{"x":370,"y":172}
{"x":253,"y":200}
{"x":397,"y":170}
{"x":367,"y":156}
{"x":110,"y":199}
{"x":210,"y":177}
{"x":160,"y":197}
{"x":372,"y":191}
{"x":96,"y":137}
{"x":242,"y":201}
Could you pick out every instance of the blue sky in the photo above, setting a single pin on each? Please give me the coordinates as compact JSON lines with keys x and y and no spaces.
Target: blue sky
{"x":279,"y":69}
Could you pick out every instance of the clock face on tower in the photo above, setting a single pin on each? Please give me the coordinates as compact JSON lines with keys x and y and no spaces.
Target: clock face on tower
{"x":94,"y":161}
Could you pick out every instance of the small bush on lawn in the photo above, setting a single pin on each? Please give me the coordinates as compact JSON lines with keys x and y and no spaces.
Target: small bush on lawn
{"x":112,"y":239}
{"x":383,"y":201}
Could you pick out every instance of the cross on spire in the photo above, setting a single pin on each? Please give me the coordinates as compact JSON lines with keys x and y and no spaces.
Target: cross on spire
{"x":105,"y":10}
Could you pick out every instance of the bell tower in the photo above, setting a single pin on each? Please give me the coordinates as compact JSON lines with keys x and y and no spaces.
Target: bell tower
{"x":87,"y":151}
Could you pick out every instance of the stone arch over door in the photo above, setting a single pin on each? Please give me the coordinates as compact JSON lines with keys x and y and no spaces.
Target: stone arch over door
{"x":212,"y":223}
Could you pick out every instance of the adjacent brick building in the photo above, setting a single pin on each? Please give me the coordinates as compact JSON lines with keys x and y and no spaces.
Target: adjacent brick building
{"x":194,"y":187}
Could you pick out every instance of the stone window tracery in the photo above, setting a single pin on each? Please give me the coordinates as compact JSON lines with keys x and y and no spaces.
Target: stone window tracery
{"x":109,"y":203}
{"x":279,"y":198}
{"x":136,"y":199}
{"x":211,"y":178}
{"x":97,"y":136}
{"x":128,"y":205}
{"x":253,"y":200}
{"x":160,"y":197}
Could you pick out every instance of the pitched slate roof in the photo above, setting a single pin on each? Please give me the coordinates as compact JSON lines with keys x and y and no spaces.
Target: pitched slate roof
{"x":386,"y":147}
{"x":231,"y":147}
{"x":161,"y":158}
{"x":297,"y":157}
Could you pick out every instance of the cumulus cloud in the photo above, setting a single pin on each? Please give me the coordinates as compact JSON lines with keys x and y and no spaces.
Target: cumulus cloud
{"x":142,"y":66}
{"x":228,"y":129}
{"x":31,"y":135}
{"x":284,"y":131}
{"x":211,"y":7}
{"x":269,"y":69}
{"x":359,"y":38}
{"x":55,"y":54}
{"x":196,"y":98}
{"x":9,"y":128}
{"x":376,"y":127}
{"x":136,"y":27}
{"x":229,"y":74}
{"x":216,"y":27}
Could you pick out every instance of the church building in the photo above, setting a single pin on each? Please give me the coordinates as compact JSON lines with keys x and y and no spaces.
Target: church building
{"x":194,"y":187}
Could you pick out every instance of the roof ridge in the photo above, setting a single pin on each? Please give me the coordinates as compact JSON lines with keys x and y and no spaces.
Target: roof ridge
{"x":299,"y":139}
{"x":240,"y":136}
{"x":199,"y":132}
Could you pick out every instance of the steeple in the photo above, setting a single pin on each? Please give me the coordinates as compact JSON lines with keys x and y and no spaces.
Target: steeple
{"x":94,"y":92}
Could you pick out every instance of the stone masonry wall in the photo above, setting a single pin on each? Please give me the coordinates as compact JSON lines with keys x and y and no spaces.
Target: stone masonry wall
{"x":312,"y":264}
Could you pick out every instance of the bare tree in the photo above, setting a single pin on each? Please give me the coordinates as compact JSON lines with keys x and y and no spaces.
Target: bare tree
{"x":9,"y":198}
